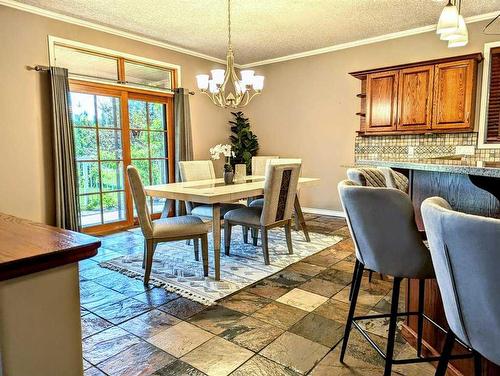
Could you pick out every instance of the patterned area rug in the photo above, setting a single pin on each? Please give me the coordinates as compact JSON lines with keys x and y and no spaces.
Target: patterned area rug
{"x":175,"y":269}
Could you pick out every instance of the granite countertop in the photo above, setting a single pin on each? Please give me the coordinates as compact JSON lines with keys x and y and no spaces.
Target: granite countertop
{"x":456,"y":166}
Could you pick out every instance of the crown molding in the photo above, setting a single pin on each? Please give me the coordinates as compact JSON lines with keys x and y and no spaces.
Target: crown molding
{"x":362,"y":42}
{"x":106,"y":29}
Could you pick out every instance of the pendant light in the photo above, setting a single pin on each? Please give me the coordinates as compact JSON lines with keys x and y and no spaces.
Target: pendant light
{"x":448,"y":21}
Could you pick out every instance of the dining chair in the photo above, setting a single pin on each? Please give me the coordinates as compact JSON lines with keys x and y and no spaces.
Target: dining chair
{"x":202,"y":170}
{"x":259,"y":164}
{"x":165,"y":229}
{"x":374,"y":215}
{"x":280,"y":189}
{"x":395,"y":179}
{"x":465,"y":252}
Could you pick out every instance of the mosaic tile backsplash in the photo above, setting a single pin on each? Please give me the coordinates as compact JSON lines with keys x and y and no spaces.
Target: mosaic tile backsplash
{"x":419,"y":147}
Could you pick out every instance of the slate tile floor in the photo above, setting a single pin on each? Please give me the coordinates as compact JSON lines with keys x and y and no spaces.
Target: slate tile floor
{"x":291,"y":323}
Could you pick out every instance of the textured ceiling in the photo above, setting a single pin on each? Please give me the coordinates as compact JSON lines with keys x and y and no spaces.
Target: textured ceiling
{"x":262,"y":29}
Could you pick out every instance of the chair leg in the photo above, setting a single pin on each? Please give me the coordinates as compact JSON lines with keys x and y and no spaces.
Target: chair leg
{"x":265,"y":245}
{"x":370,"y":273}
{"x":288,"y":233}
{"x":145,"y":254}
{"x":354,"y":273}
{"x":255,"y":236}
{"x":188,"y":242}
{"x":245,"y":234}
{"x":445,"y":354}
{"x":150,"y":249}
{"x":227,"y":236}
{"x":357,"y":283}
{"x":196,"y":249}
{"x":420,"y":317}
{"x":477,"y":364}
{"x":204,"y":253}
{"x":389,"y":354}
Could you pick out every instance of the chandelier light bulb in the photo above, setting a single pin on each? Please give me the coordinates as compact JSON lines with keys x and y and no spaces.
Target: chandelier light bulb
{"x":448,"y":21}
{"x":247,"y":77}
{"x":212,"y":87}
{"x":258,"y":83}
{"x":218,"y":76}
{"x":202,"y":81}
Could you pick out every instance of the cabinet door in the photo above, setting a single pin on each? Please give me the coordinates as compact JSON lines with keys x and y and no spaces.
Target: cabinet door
{"x":415,"y":98}
{"x":454,"y":93}
{"x":382,"y":93}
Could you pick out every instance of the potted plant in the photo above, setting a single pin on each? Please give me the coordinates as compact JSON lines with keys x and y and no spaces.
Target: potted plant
{"x":244,"y":143}
{"x":226,"y":151}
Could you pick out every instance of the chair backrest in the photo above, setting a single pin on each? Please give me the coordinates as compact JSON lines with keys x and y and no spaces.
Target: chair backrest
{"x":367,"y":177}
{"x":279,"y":192}
{"x":382,"y":225}
{"x":196,"y":170}
{"x":259,"y":164}
{"x":465,"y":250}
{"x":140,"y":201}
{"x":395,"y":179}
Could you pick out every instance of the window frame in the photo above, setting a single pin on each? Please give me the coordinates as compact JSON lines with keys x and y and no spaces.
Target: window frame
{"x":124,"y":94}
{"x":485,"y":90}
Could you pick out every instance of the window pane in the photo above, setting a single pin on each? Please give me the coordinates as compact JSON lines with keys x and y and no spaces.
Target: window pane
{"x":85,"y":144}
{"x":108,"y":112}
{"x":112,"y":176}
{"x":84,"y":63}
{"x":83,"y":110}
{"x":157,"y":140}
{"x":90,"y":210}
{"x":143,"y":167}
{"x":137,"y":114}
{"x":88,"y":177}
{"x":159,"y":171}
{"x":142,"y":74}
{"x":139,"y":144}
{"x":156,"y":116}
{"x":113,"y":206}
{"x":110,"y":143}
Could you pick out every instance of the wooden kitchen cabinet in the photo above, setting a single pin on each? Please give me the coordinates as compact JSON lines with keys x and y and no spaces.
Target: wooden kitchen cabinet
{"x":415,"y":98}
{"x":424,"y":97}
{"x":381,"y":94}
{"x":454,"y":93}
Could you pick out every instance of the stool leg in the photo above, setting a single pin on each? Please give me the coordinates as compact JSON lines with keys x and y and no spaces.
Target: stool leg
{"x":245,"y":234}
{"x":420,"y":317}
{"x":445,"y":354}
{"x":352,"y":308}
{"x":477,"y":364}
{"x":356,"y":266}
{"x":392,"y":327}
{"x":370,"y":276}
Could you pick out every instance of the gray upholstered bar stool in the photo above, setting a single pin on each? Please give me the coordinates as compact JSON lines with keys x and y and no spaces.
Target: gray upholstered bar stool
{"x":387,"y":241}
{"x":280,"y":189}
{"x":465,"y":250}
{"x":165,"y":229}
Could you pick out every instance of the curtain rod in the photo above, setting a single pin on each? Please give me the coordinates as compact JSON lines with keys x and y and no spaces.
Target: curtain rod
{"x":44,"y":68}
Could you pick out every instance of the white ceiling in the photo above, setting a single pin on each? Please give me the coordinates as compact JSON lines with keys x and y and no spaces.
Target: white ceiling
{"x":262,"y":29}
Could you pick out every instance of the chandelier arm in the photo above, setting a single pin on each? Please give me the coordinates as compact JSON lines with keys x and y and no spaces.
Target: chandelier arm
{"x":252,"y":96}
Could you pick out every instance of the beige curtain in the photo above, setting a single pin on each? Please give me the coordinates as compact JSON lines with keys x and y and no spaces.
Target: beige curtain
{"x":183,"y":136}
{"x":66,"y":183}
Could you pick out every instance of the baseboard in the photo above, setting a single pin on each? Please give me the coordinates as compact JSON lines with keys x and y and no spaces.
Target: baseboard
{"x":328,"y":212}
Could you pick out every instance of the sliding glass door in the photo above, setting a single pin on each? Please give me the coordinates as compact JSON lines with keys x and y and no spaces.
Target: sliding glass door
{"x":112,"y":129}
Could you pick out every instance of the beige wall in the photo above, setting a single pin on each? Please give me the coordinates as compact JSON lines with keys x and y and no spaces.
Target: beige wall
{"x":25,"y":163}
{"x":308,"y":107}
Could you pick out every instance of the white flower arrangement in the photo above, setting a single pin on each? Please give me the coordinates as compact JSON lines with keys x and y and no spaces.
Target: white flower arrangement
{"x":219,"y":149}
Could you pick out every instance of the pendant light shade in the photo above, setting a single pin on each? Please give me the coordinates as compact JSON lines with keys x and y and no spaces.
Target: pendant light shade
{"x":458,"y":42}
{"x":448,"y":21}
{"x":459,"y":33}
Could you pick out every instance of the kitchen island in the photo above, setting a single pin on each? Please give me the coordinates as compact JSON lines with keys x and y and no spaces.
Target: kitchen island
{"x":469,"y":187}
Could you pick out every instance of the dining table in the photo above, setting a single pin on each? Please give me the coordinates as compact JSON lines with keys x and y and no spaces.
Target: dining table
{"x":214,"y":192}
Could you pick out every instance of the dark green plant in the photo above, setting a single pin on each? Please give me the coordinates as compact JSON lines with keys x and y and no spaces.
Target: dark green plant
{"x":243,"y":142}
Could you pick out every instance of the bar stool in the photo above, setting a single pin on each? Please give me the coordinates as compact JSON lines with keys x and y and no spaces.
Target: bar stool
{"x":465,"y":251}
{"x":374,"y":216}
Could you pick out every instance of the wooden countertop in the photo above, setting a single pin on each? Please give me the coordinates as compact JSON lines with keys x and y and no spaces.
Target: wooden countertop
{"x":28,"y":247}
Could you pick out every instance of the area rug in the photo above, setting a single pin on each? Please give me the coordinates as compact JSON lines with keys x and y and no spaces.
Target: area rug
{"x":175,"y":269}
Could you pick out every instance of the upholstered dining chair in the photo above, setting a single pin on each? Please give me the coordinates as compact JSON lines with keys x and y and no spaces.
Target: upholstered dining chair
{"x":465,"y":251}
{"x":374,"y":215}
{"x":280,"y":189}
{"x":259,"y":164}
{"x":395,"y":179}
{"x":165,"y":229}
{"x":202,"y":170}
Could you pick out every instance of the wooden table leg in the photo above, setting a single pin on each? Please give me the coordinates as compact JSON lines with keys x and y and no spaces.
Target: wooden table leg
{"x":300,"y":217}
{"x":167,"y":208}
{"x":216,"y":236}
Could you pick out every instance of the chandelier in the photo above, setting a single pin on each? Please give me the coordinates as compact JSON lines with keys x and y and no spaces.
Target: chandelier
{"x":225,"y":88}
{"x":451,"y":26}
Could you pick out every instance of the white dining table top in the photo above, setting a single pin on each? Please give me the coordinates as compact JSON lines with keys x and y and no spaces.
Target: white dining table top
{"x":214,"y":190}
